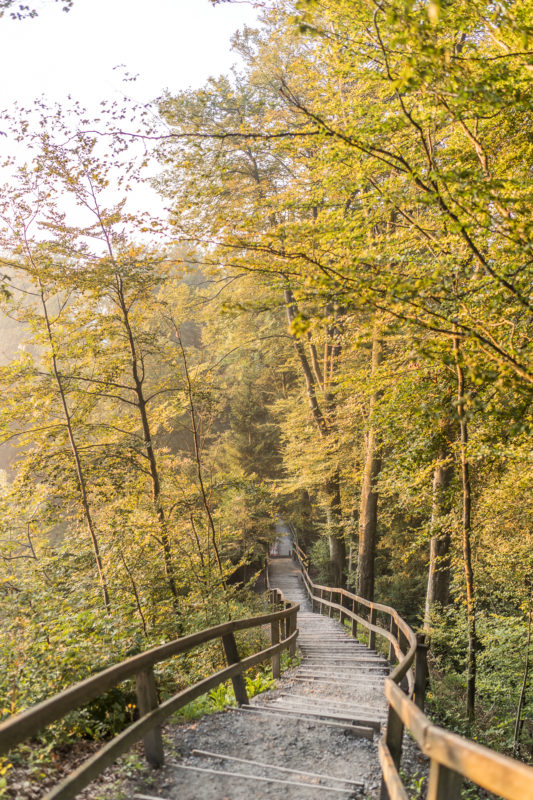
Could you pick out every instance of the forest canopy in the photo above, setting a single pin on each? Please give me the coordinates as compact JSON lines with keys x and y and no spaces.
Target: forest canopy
{"x":332,"y":326}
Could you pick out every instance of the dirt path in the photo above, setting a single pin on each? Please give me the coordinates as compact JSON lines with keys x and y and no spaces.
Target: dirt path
{"x":314,"y":736}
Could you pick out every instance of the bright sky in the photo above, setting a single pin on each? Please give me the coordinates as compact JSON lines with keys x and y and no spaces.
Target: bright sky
{"x":171,"y":44}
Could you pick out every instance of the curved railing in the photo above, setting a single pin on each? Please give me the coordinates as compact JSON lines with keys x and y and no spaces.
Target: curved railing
{"x":18,"y":728}
{"x":452,"y":757}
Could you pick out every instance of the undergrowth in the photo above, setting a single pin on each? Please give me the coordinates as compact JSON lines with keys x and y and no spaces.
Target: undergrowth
{"x":219,"y":698}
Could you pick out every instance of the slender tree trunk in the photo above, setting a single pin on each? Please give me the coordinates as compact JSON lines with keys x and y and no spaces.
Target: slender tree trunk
{"x":350,"y":560}
{"x":522,"y":698}
{"x":337,"y":546}
{"x":137,"y":370}
{"x":337,"y":542}
{"x":438,"y":586}
{"x":353,"y":546}
{"x":368,"y":519}
{"x":82,"y":485}
{"x":198,"y":460}
{"x":314,"y":361}
{"x":306,"y":518}
{"x":316,"y":411}
{"x":466,"y":537}
{"x":138,"y":379}
{"x":135,"y":592}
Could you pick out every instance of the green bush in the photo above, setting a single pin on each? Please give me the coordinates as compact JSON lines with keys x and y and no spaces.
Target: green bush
{"x":500,"y":666}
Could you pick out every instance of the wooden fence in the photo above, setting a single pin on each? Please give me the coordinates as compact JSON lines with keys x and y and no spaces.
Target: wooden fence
{"x":452,"y":757}
{"x":18,"y":728}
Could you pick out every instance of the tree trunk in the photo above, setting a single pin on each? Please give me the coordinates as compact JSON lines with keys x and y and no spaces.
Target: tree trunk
{"x":438,"y":586}
{"x":305,"y":508}
{"x":80,"y":475}
{"x":138,"y":378}
{"x":198,"y":459}
{"x":316,"y":411}
{"x":368,"y":519}
{"x":326,"y":429}
{"x":522,"y":698}
{"x":337,"y":546}
{"x":471,"y":667}
{"x":351,"y":567}
{"x":137,"y":371}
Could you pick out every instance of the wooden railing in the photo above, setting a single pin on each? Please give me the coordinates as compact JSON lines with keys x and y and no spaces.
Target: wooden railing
{"x":18,"y":728}
{"x":299,"y":554}
{"x":452,"y":757}
{"x":286,"y":626}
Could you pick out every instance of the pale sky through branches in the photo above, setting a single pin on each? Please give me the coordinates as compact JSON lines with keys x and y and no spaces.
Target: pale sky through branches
{"x":170,"y":44}
{"x":84,"y":55}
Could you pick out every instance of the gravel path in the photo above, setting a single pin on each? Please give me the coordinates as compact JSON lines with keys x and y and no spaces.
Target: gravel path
{"x":314,"y":736}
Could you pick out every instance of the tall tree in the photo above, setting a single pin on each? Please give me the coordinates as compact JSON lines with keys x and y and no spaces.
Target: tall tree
{"x":466,"y":529}
{"x":368,"y":519}
{"x":438,"y":582}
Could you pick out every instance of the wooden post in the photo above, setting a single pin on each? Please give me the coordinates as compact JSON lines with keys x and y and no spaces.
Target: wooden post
{"x":372,"y":637}
{"x":232,"y":656}
{"x":354,"y":622}
{"x":292,"y":628}
{"x":394,"y":631}
{"x":404,"y":647}
{"x":330,"y":610}
{"x":444,"y":783}
{"x":274,"y":632}
{"x":147,"y":701}
{"x":420,"y":670}
{"x":400,"y":640}
{"x":393,"y":740}
{"x":341,"y":603}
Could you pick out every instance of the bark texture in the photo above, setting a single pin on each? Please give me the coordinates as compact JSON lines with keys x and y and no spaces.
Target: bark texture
{"x":80,"y":475}
{"x":337,"y":545}
{"x":324,"y":418}
{"x":466,"y":537}
{"x":438,"y":586}
{"x":368,"y":518}
{"x":137,"y":373}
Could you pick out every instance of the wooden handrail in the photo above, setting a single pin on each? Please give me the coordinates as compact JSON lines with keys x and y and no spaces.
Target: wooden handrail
{"x":405,"y":660}
{"x":504,"y":776}
{"x":452,"y":757}
{"x":302,"y":557}
{"x":15,"y":729}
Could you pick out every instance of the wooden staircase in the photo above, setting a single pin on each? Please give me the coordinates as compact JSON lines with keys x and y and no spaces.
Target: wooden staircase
{"x":315,"y":733}
{"x":334,"y":724}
